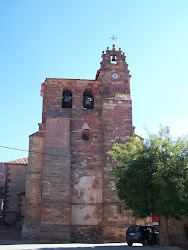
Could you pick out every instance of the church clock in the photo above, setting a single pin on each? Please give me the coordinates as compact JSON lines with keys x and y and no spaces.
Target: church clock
{"x":115,"y":76}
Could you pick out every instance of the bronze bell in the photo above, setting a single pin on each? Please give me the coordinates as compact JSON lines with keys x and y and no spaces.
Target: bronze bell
{"x":67,"y":100}
{"x":88,"y":101}
{"x":114,"y":58}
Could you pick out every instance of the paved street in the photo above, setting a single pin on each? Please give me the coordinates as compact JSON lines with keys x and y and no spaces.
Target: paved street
{"x":10,"y":239}
{"x":116,"y":246}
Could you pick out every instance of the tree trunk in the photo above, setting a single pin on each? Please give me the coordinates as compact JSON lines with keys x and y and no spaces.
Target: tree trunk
{"x":163,"y":230}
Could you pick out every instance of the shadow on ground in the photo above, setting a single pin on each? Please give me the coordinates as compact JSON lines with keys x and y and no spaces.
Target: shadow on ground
{"x":11,"y":238}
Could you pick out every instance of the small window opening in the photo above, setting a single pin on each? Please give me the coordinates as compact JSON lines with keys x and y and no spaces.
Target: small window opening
{"x":85,"y":135}
{"x":113,"y":59}
{"x":119,"y":209}
{"x":88,"y":100}
{"x":67,"y":99}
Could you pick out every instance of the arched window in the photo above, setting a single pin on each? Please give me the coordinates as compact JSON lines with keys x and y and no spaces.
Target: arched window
{"x":88,"y":100}
{"x":67,"y":99}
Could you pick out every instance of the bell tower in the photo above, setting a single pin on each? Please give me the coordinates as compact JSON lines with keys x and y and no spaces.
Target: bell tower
{"x":114,"y":73}
{"x":115,"y":79}
{"x":116,"y":127}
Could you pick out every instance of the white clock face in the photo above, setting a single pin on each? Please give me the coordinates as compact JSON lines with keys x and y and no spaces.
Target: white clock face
{"x":115,"y":76}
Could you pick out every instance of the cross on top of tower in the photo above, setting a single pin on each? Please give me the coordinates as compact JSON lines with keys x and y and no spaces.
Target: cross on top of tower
{"x":113,"y":38}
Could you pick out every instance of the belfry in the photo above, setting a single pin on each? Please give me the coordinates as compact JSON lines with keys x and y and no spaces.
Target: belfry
{"x":69,"y":196}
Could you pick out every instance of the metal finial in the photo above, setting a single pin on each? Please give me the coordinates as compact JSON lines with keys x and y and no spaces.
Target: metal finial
{"x":113,"y":38}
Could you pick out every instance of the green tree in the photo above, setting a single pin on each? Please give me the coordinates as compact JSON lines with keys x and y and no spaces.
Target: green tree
{"x":153,"y":177}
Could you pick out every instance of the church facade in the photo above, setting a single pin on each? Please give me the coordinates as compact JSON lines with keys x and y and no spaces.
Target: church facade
{"x":69,"y":196}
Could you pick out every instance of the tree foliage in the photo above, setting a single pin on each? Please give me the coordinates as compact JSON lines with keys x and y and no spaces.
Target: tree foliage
{"x":153,"y":175}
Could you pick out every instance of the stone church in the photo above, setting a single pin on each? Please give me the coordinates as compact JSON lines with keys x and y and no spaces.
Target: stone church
{"x":69,"y":196}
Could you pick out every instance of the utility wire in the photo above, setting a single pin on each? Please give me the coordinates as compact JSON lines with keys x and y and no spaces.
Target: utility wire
{"x":31,"y":151}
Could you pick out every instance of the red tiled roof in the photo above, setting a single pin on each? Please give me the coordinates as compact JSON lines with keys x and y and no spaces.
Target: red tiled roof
{"x":142,"y":139}
{"x":79,"y":79}
{"x":71,"y":79}
{"x":22,"y":161}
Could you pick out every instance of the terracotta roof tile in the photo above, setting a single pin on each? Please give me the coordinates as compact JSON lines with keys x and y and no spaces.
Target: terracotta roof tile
{"x":22,"y":161}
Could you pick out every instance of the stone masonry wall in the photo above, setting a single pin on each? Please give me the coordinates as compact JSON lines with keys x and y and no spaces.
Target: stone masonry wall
{"x":86,"y":162}
{"x":55,"y":207}
{"x":2,"y":179}
{"x":31,"y":226}
{"x":85,"y":181}
{"x":117,"y":125}
{"x":15,"y":184}
{"x":73,"y":174}
{"x":2,"y":188}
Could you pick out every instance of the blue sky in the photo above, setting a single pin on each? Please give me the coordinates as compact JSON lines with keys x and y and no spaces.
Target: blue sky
{"x":65,"y":39}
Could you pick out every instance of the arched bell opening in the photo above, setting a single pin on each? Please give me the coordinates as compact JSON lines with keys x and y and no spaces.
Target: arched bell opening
{"x":113,"y":59}
{"x":67,"y":99}
{"x":88,"y":100}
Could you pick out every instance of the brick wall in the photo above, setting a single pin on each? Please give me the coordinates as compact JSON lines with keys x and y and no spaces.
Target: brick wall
{"x":15,"y":184}
{"x":31,"y":226}
{"x":2,"y":188}
{"x":2,"y":179}
{"x":71,"y":198}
